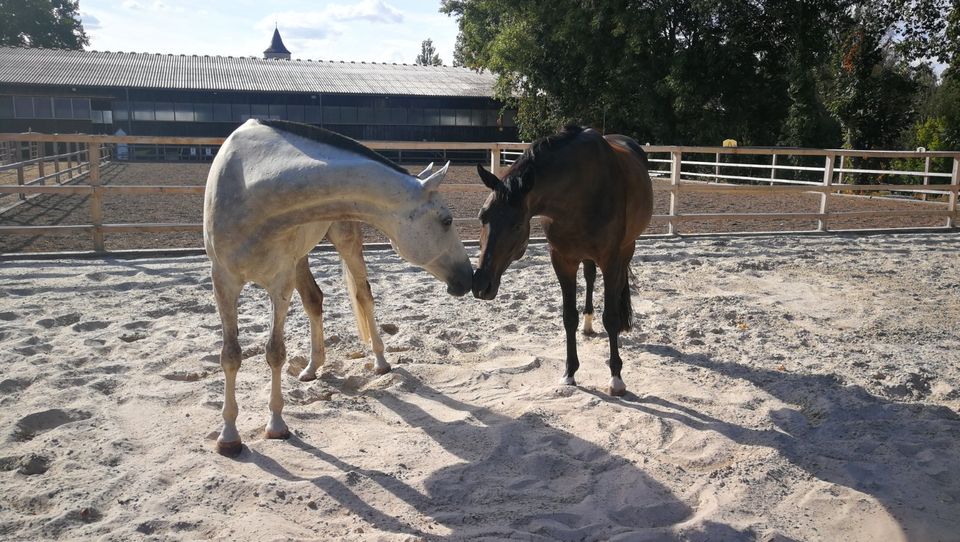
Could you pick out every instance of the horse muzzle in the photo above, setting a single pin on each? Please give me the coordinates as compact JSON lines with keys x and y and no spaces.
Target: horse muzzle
{"x":484,"y":286}
{"x":460,"y":285}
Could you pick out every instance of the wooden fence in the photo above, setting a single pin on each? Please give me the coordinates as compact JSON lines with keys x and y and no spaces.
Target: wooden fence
{"x":719,"y":170}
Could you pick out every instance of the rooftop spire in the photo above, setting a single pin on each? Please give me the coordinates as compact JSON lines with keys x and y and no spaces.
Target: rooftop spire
{"x":277,"y":49}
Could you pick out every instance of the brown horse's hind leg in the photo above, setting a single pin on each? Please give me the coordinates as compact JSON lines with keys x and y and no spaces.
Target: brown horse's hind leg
{"x":590,"y":276}
{"x":566,"y":270}
{"x":614,"y":281}
{"x":312,"y":298}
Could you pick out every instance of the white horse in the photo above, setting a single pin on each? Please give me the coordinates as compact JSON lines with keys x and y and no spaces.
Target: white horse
{"x":274,"y":191}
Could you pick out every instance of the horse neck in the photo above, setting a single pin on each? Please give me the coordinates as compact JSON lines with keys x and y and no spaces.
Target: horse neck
{"x":557,"y":192}
{"x":368,"y":193}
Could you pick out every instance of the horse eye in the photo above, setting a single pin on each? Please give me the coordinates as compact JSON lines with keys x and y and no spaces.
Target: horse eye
{"x":447,"y":221}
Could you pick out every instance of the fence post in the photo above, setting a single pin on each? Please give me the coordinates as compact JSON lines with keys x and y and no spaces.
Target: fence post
{"x":41,"y":153}
{"x":716,"y":169}
{"x":69,"y":160}
{"x":842,"y":167}
{"x":675,"y":162}
{"x":773,"y":169}
{"x":954,"y":185}
{"x":96,"y":199}
{"x":56,"y":161}
{"x":495,"y":159}
{"x":827,"y":181}
{"x":20,"y":181}
{"x":926,"y":174}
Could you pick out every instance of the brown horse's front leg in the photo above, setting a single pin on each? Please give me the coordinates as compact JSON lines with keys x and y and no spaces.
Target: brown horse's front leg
{"x":566,"y":270}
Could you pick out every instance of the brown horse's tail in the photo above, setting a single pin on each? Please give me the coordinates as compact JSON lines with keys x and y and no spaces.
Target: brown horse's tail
{"x":626,"y":306}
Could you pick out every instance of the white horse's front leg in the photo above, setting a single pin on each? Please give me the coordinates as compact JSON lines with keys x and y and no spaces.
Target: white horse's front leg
{"x":312,"y":298}
{"x":276,"y":355}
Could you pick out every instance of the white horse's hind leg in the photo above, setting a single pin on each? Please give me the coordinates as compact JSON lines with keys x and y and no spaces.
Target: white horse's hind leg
{"x":226,"y":290}
{"x":276,"y":355}
{"x":312,"y":298}
{"x":347,"y":237}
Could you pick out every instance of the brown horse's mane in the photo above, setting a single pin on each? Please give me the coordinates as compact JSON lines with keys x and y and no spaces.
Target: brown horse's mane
{"x":520,"y":178}
{"x":333,"y":139}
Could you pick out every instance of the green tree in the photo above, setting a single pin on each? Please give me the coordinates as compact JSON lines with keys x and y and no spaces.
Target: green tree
{"x":41,"y":23}
{"x":428,"y":54}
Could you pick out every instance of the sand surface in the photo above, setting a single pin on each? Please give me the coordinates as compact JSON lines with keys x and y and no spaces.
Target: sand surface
{"x":780,"y":388}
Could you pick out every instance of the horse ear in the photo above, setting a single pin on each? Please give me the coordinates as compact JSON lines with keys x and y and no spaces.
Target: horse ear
{"x":433,"y":181}
{"x":426,"y":172}
{"x":489,"y":179}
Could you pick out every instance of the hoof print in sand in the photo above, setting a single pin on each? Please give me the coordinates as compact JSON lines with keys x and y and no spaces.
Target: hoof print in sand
{"x":59,"y":321}
{"x":28,"y":465}
{"x":93,"y":325}
{"x":186,"y":376}
{"x":40,"y":422}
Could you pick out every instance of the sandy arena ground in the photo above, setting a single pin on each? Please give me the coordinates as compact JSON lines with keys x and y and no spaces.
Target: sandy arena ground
{"x":781,"y":388}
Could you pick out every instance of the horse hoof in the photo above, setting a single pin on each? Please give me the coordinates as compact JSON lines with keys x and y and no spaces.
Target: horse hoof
{"x":304,"y":376}
{"x":282,"y":434}
{"x":229,"y":449}
{"x":568,"y":381}
{"x":588,"y":325}
{"x":617,"y":387}
{"x":381,"y":370}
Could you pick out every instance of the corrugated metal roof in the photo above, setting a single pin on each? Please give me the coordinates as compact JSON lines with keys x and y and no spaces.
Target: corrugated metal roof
{"x":193,"y":72}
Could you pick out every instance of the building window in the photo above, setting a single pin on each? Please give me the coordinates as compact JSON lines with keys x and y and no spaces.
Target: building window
{"x":431,"y":117}
{"x":448,"y":117}
{"x":312,"y":114}
{"x":241,"y":112}
{"x":164,"y":112}
{"x":295,"y":113}
{"x":102,"y":117}
{"x":331,"y":115}
{"x":259,"y":111}
{"x":464,"y":117}
{"x":203,"y":112}
{"x":143,"y":111}
{"x":62,"y":108}
{"x":23,"y":107}
{"x":43,"y":108}
{"x":415,"y":116}
{"x":278,"y":112}
{"x":221,"y":113}
{"x":6,"y":107}
{"x":183,"y":112}
{"x":81,"y":108}
{"x":120,"y":111}
{"x":348,"y":115}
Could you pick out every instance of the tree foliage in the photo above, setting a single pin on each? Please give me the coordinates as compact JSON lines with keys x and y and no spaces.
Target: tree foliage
{"x":41,"y":23}
{"x":428,"y":54}
{"x":696,"y":72}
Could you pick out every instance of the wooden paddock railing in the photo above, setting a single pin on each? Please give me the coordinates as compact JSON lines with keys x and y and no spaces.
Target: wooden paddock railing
{"x":719,"y":170}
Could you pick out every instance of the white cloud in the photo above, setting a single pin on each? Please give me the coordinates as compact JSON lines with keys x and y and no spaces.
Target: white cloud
{"x":90,"y":22}
{"x":330,"y":22}
{"x":132,"y":4}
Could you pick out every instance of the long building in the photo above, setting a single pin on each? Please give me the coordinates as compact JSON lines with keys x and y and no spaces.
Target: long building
{"x":101,"y":92}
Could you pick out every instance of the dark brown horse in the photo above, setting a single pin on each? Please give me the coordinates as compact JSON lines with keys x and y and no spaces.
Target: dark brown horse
{"x":594,"y":197}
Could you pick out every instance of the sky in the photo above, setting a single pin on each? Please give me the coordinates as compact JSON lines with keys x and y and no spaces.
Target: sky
{"x":361,"y":30}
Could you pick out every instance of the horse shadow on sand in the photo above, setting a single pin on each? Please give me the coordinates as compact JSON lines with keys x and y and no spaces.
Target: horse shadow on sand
{"x":517,"y":479}
{"x":905,"y":455}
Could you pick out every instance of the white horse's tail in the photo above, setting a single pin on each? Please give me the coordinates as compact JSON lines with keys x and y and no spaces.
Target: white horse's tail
{"x":354,"y":284}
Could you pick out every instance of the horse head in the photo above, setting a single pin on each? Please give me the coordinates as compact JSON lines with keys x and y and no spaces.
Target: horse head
{"x":425,"y":235}
{"x":505,"y":230}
